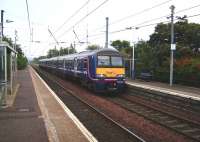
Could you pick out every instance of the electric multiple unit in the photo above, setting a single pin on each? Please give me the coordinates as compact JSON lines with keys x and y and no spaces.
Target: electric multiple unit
{"x":101,"y":70}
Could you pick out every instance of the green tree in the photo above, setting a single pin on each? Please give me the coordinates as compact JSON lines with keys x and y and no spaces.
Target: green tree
{"x":21,"y":62}
{"x":72,"y":49}
{"x":52,"y":53}
{"x":186,"y":35}
{"x":123,"y":47}
{"x":64,"y":51}
{"x":36,"y":60}
{"x":8,"y":40}
{"x":93,"y":47}
{"x":120,"y":45}
{"x":144,"y":54}
{"x":21,"y":58}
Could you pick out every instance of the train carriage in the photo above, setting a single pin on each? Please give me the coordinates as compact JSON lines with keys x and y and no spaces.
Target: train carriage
{"x":101,"y":70}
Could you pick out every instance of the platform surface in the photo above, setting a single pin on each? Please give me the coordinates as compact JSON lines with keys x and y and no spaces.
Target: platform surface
{"x":175,"y":89}
{"x":23,"y":122}
{"x":38,"y":116}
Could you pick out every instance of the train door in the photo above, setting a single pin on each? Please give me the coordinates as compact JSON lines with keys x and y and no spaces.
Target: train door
{"x":75,"y":66}
{"x":92,"y":66}
{"x":85,"y":67}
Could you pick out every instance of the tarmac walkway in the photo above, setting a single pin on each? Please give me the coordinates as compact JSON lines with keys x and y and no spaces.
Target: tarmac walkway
{"x":23,"y":122}
{"x":38,"y":116}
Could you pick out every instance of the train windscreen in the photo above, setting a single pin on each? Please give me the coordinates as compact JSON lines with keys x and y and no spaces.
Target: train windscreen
{"x":107,"y":61}
{"x":116,"y":61}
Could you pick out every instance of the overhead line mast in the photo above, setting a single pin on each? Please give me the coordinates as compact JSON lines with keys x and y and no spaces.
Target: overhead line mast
{"x":29,"y":23}
{"x":173,"y":46}
{"x":106,"y":44}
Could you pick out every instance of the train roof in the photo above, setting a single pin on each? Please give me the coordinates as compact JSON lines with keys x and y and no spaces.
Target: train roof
{"x":81,"y":54}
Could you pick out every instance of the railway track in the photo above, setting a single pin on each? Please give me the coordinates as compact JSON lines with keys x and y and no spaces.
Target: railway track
{"x":178,"y":124}
{"x":168,"y":104}
{"x":179,"y":103}
{"x":160,"y":118}
{"x":103,"y":127}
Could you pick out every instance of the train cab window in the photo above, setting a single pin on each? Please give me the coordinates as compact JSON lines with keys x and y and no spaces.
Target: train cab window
{"x":103,"y":61}
{"x":116,"y":61}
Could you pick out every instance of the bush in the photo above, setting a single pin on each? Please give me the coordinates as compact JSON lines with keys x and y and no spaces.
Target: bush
{"x":21,"y":62}
{"x":187,"y":71}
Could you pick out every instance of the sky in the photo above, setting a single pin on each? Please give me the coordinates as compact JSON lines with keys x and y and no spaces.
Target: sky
{"x":68,"y":28}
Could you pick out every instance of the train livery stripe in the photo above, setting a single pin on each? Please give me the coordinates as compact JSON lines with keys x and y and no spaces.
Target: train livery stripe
{"x":110,"y":72}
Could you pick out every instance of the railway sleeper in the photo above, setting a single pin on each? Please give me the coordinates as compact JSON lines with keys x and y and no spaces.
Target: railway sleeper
{"x":180,"y":126}
{"x":197,"y":136}
{"x":191,"y":130}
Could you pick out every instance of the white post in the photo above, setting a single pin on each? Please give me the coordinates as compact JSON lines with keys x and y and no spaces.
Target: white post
{"x":106,"y":44}
{"x":1,"y":32}
{"x":130,"y":63}
{"x":5,"y":57}
{"x":172,"y":45}
{"x":133,"y":63}
{"x":11,"y":74}
{"x":15,"y":48}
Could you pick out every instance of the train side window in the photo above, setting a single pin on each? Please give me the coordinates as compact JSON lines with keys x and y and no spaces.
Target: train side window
{"x":71,"y":64}
{"x":62,"y":63}
{"x":85,"y":64}
{"x":79,"y":64}
{"x":66,"y":63}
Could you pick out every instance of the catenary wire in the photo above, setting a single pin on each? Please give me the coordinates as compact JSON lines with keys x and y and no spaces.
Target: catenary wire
{"x":154,"y":19}
{"x":133,"y":27}
{"x":135,"y":14}
{"x":83,"y":18}
{"x":74,"y":14}
{"x":99,"y":36}
{"x":138,"y":13}
{"x":186,"y":9}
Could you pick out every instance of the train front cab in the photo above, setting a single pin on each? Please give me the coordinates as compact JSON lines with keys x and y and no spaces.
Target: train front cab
{"x":109,"y":72}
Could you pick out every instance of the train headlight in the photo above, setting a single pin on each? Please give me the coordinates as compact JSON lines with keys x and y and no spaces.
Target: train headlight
{"x":121,"y":75}
{"x":100,"y":75}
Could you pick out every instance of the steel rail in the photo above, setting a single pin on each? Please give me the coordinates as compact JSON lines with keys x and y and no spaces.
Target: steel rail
{"x":96,"y":110}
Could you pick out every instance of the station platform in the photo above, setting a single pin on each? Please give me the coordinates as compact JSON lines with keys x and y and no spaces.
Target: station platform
{"x":175,"y":89}
{"x":38,"y":115}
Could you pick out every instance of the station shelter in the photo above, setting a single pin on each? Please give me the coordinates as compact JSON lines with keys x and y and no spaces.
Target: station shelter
{"x":7,"y":71}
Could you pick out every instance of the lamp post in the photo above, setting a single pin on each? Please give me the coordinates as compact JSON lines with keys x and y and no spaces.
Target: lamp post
{"x":2,"y":23}
{"x":2,"y":12}
{"x":173,"y":46}
{"x":133,"y":57}
{"x":133,"y":62}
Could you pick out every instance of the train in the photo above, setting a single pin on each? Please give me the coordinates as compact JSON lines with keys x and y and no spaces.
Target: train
{"x":101,"y":70}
